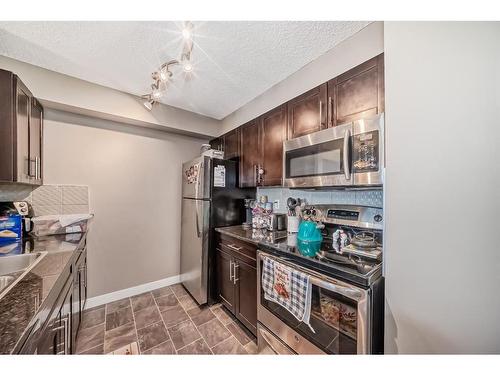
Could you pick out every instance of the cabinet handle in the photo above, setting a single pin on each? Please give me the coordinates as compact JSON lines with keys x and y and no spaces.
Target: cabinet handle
{"x":36,"y":302}
{"x":64,"y":327}
{"x":38,"y":168}
{"x":237,"y":248}
{"x":30,"y":162}
{"x":236,"y":266}
{"x":330,"y":108}
{"x":320,"y":113}
{"x":230,"y":270}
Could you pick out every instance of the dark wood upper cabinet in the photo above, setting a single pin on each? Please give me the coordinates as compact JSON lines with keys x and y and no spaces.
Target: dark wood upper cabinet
{"x":307,"y":113}
{"x":357,"y":93}
{"x":21,"y":132}
{"x":353,"y":95}
{"x":251,"y":154}
{"x":217,"y":143}
{"x":232,"y":145}
{"x":273,"y":130}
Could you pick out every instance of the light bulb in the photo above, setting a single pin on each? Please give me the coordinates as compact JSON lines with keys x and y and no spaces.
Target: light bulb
{"x":148,"y":104}
{"x":163,"y":75}
{"x":187,"y":66}
{"x":186,"y":32}
{"x":156,"y":94}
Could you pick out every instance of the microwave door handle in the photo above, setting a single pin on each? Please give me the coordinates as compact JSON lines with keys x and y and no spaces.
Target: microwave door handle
{"x":347,"y":167}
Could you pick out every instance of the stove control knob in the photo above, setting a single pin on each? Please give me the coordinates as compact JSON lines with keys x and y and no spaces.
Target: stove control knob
{"x":377,"y":218}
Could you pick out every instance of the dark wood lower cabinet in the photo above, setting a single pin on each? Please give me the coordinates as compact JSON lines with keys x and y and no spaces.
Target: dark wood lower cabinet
{"x":246,"y":295}
{"x":56,"y":337}
{"x":237,"y":279}
{"x":60,"y":316}
{"x":225,"y":284}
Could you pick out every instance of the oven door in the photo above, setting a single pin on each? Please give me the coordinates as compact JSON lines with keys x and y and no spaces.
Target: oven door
{"x":319,"y":159}
{"x":368,"y":151}
{"x":340,"y":316}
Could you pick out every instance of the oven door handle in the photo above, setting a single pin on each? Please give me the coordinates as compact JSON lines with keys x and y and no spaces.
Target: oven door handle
{"x":345,"y":156}
{"x":325,"y":282}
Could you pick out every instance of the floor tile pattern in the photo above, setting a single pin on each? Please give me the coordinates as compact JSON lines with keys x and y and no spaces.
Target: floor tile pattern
{"x":164,"y":321}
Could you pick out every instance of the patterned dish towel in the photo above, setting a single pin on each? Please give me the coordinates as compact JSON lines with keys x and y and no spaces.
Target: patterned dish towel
{"x":288,"y":288}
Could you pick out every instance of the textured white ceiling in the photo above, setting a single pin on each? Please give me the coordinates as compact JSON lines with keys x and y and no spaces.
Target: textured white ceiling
{"x":234,"y":61}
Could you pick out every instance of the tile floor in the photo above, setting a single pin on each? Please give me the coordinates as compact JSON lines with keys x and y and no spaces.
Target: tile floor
{"x":164,"y":321}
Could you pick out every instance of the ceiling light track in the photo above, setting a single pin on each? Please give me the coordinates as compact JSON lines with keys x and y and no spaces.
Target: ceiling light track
{"x":164,"y":72}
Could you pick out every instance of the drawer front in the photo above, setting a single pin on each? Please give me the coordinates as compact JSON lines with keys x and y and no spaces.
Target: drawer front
{"x":244,"y":251}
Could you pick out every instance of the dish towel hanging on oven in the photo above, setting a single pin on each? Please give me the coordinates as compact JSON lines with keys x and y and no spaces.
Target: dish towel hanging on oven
{"x":288,"y":288}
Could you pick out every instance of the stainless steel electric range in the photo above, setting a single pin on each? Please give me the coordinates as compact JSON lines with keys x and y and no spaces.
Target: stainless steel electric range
{"x":347,"y":304}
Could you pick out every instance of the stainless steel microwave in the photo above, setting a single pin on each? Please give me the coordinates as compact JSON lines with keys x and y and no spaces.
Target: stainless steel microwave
{"x":347,"y":155}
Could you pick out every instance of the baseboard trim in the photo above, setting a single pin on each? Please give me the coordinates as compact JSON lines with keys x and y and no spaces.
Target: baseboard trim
{"x":124,"y":293}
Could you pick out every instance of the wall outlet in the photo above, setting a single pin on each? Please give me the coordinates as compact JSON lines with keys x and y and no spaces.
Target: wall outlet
{"x":276,"y":205}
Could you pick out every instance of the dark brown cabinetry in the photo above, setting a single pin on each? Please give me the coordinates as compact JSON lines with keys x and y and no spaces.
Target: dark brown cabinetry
{"x":56,"y":337}
{"x":79,"y":293}
{"x":250,"y":158}
{"x":353,"y":95}
{"x":232,"y":145}
{"x":273,"y":130}
{"x":225,"y":284}
{"x":59,"y":318}
{"x":357,"y":93}
{"x":21,"y":132}
{"x":307,"y":113}
{"x":261,"y":145}
{"x":229,"y":143}
{"x":237,"y":279}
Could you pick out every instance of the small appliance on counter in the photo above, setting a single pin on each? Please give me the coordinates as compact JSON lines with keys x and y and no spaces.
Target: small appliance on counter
{"x":249,"y":204}
{"x":14,"y":225}
{"x":277,"y":222}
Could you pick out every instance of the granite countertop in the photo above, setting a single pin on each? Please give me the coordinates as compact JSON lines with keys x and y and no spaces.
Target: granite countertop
{"x":17,"y":307}
{"x":255,"y":236}
{"x":283,"y":244}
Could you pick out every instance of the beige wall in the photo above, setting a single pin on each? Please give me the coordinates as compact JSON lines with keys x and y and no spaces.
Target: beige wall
{"x":362,"y":46}
{"x":134,"y":179}
{"x":71,"y":94}
{"x":442,"y":190}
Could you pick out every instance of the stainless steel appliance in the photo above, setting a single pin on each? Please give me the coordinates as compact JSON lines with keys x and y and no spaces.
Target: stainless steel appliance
{"x":210,"y":199}
{"x":347,"y":304}
{"x":277,"y":222}
{"x":347,"y":155}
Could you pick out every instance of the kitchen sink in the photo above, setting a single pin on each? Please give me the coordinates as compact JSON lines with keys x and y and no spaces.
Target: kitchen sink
{"x":14,"y":267}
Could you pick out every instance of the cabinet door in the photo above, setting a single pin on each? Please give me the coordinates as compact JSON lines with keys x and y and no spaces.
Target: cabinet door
{"x":358,"y":93}
{"x":25,"y":168}
{"x":35,"y":141}
{"x":225,"y":284}
{"x":307,"y":112}
{"x":217,"y":143}
{"x":232,"y":145}
{"x":56,"y":337}
{"x":250,"y":156}
{"x":246,"y":292}
{"x":273,"y":126}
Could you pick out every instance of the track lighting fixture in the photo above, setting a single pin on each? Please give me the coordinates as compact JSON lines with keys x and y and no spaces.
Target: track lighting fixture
{"x":164,"y":73}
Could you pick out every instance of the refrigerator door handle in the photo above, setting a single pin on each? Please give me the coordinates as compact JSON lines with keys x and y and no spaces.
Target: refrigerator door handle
{"x":198,"y":233}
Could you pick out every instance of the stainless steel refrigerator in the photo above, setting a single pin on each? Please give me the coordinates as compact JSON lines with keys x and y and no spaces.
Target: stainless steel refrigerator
{"x":210,"y":199}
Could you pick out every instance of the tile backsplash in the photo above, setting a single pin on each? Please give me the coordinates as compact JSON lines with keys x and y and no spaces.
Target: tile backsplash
{"x":372,"y":197}
{"x":49,"y":199}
